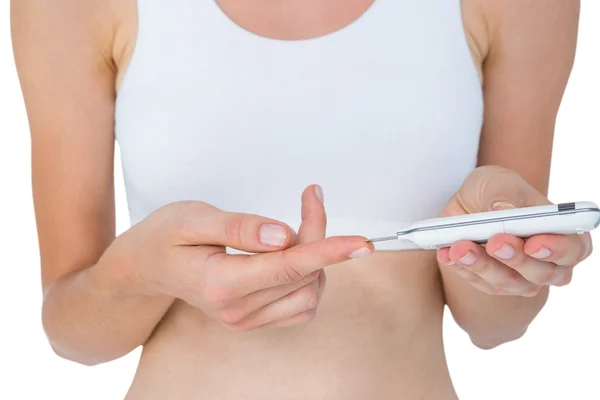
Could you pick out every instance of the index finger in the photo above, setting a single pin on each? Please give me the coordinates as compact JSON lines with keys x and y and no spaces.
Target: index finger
{"x":261,"y":271}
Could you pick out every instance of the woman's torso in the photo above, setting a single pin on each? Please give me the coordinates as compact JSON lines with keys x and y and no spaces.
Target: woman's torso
{"x":384,"y":112}
{"x":377,"y":335}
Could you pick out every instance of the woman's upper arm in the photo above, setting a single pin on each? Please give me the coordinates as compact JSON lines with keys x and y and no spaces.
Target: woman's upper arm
{"x":530,"y":57}
{"x":63,"y":58}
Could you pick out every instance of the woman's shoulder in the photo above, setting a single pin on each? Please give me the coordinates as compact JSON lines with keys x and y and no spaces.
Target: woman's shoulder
{"x":104,"y":30}
{"x":66,"y":25}
{"x":491,"y":22}
{"x":501,"y":27}
{"x":90,"y":16}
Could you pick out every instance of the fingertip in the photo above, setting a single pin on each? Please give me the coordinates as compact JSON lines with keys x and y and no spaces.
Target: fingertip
{"x":350,"y":246}
{"x":313,"y":191}
{"x":314,"y":219}
{"x":318,"y":190}
{"x":365,"y":248}
{"x":460,"y":248}
{"x":443,"y":255}
{"x":552,"y":248}
{"x":498,"y":239}
{"x":534,"y":243}
{"x":360,"y":253}
{"x":371,"y":245}
{"x":366,"y":242}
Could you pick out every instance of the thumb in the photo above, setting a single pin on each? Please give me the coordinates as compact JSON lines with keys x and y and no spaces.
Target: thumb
{"x":495,"y":188}
{"x":201,"y":224}
{"x":314,"y":219}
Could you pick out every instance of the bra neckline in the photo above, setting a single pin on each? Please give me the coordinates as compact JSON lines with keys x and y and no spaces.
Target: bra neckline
{"x":224,"y":19}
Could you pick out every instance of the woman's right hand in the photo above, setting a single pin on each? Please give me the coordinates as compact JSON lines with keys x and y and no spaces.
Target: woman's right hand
{"x":179,"y":251}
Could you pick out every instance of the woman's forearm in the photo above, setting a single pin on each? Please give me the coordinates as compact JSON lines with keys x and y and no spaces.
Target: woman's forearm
{"x":98,"y":314}
{"x":490,"y":320}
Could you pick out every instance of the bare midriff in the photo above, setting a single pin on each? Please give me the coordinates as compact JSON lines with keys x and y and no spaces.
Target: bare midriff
{"x":377,"y":335}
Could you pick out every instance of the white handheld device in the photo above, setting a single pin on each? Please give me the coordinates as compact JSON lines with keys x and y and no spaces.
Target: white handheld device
{"x":565,"y":219}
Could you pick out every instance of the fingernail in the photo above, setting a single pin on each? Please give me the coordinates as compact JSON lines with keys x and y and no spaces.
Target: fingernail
{"x":505,"y":252}
{"x":319,"y":194}
{"x":272,"y":235}
{"x":502,"y":205}
{"x":450,"y":263}
{"x":362,"y":252}
{"x":468,"y":259}
{"x":542,"y":253}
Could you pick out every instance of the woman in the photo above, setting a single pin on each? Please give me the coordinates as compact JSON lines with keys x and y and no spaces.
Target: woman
{"x":225,"y":111}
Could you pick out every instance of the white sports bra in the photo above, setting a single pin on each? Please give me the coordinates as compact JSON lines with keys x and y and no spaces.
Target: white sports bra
{"x":385,"y":114}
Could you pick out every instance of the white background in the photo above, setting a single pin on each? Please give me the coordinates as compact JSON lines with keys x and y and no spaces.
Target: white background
{"x":559,"y":358}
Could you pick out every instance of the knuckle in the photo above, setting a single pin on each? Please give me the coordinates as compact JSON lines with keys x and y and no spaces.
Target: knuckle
{"x":513,"y":276}
{"x":182,"y":227}
{"x":184,"y":217}
{"x":231,"y":317}
{"x":310,"y":278}
{"x":233,"y":229}
{"x":215,"y":287}
{"x":291,"y":265}
{"x":288,"y":272}
{"x":217,"y":297}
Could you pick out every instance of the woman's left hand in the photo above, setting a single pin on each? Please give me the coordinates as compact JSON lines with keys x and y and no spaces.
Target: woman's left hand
{"x":509,"y":265}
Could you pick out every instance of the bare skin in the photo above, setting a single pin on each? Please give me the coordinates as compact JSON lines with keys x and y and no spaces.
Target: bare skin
{"x":378,"y":330}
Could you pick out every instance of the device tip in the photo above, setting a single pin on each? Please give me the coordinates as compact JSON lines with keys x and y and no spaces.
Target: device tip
{"x":382,"y":239}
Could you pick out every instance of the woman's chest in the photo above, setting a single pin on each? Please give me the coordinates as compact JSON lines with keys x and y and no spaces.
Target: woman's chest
{"x":385,"y":113}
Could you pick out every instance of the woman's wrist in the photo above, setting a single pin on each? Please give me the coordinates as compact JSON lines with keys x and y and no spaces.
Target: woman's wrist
{"x":121,"y":273}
